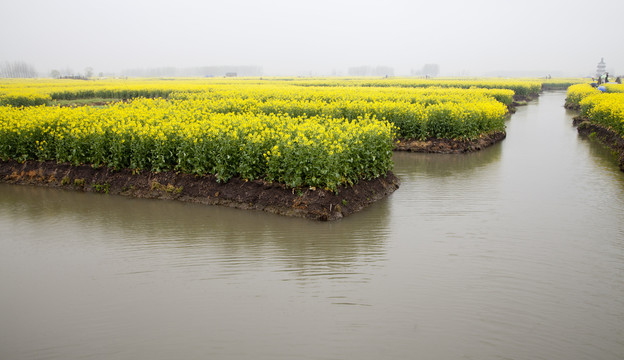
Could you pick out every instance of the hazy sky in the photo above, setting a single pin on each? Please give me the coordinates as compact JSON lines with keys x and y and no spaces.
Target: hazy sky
{"x":287,"y":37}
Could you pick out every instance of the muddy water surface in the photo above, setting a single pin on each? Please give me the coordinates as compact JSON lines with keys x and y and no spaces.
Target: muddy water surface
{"x":515,"y":252}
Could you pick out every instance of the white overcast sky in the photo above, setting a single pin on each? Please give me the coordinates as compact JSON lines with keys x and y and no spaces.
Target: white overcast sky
{"x":287,"y":37}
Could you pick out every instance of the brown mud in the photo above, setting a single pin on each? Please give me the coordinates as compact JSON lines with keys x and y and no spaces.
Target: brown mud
{"x":572,"y":106}
{"x":310,"y":203}
{"x":523,"y":99}
{"x":608,"y":137}
{"x":520,"y":100}
{"x":450,"y":146}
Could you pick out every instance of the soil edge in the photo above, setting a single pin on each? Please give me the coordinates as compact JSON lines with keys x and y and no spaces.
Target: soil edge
{"x":309,"y":203}
{"x":450,"y":146}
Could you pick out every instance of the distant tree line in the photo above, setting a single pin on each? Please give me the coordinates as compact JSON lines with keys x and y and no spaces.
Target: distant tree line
{"x":68,"y":73}
{"x":200,"y":71}
{"x":427,"y":70}
{"x":17,"y":69}
{"x":371,"y":71}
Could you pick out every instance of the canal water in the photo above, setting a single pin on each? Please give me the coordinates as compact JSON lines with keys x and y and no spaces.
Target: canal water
{"x":514,"y":252}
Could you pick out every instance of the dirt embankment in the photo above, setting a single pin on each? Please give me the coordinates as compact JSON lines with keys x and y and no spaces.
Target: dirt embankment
{"x":572,"y":106}
{"x":523,"y":99}
{"x":449,"y":146}
{"x":310,"y":203}
{"x":606,"y":136}
{"x":520,"y":100}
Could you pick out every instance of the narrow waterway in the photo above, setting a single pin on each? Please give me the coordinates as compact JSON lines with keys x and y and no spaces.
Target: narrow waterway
{"x":514,"y":252}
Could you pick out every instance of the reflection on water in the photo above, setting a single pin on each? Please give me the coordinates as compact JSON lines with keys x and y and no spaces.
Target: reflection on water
{"x":187,"y":229}
{"x":602,"y":155}
{"x":410,"y":166}
{"x":513,"y":252}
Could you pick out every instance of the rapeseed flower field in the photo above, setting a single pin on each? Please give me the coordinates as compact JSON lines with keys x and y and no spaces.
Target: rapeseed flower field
{"x":311,"y":132}
{"x":604,"y":108}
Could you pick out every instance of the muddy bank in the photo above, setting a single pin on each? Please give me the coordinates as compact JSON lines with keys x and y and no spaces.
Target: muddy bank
{"x":523,"y":99}
{"x":310,"y":203}
{"x":520,"y":100}
{"x":572,"y":106}
{"x":606,"y":136}
{"x":450,"y":146}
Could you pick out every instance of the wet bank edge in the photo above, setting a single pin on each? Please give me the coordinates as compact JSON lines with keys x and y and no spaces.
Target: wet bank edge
{"x":450,"y":146}
{"x":309,"y":203}
{"x":606,"y":136}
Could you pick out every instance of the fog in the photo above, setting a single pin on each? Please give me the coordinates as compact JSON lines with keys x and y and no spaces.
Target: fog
{"x":287,"y":37}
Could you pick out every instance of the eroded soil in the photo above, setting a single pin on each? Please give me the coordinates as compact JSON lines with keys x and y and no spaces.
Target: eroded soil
{"x":310,"y":203}
{"x":449,"y":146}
